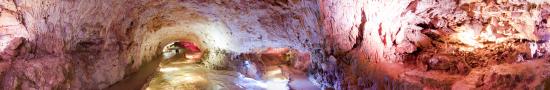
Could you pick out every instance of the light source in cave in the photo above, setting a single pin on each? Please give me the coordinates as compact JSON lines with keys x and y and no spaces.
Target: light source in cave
{"x":260,"y":84}
{"x":183,"y":77}
{"x":168,"y":69}
{"x":190,"y":50}
{"x":474,"y":38}
{"x":273,"y":79}
{"x":274,"y":84}
{"x":489,"y":35}
{"x":275,"y":75}
{"x":178,"y":73}
{"x":468,"y":38}
{"x":281,"y":84}
{"x":169,"y":50}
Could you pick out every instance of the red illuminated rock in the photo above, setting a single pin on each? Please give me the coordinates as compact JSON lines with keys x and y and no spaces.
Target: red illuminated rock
{"x":189,"y":46}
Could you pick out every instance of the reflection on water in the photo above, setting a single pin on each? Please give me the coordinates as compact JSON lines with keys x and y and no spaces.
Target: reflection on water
{"x":181,"y":74}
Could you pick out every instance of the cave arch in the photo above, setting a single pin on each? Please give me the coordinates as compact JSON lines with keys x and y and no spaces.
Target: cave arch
{"x":178,"y":23}
{"x":118,"y":37}
{"x":156,"y":29}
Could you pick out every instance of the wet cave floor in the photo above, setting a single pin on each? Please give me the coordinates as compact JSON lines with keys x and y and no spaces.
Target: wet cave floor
{"x":177,"y":73}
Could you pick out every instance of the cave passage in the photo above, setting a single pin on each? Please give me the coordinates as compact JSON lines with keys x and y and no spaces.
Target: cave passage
{"x":179,"y":72}
{"x":274,"y":44}
{"x":179,"y":67}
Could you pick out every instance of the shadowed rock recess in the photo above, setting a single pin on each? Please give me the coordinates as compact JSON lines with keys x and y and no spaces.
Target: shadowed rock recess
{"x":274,"y":44}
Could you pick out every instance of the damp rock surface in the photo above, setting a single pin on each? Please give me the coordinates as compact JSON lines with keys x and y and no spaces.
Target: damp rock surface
{"x":94,"y":44}
{"x":433,"y":44}
{"x":318,"y":44}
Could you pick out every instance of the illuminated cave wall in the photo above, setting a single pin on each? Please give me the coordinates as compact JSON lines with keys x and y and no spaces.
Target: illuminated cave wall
{"x":91,"y":44}
{"x":434,"y":44}
{"x":377,"y":44}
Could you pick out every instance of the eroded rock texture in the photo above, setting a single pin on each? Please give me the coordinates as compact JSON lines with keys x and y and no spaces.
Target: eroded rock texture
{"x":434,"y":44}
{"x":340,"y":44}
{"x":60,"y":44}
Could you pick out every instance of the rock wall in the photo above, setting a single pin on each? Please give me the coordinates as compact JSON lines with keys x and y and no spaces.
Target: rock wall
{"x":389,"y":44}
{"x":92,"y":44}
{"x":432,"y":44}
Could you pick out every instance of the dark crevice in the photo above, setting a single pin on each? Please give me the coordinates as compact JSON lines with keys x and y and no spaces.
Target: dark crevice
{"x":382,"y":37}
{"x":359,"y":39}
{"x":426,"y":26}
{"x":431,"y":34}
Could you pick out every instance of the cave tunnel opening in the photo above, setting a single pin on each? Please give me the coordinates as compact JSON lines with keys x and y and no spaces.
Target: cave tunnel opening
{"x":183,"y":49}
{"x":178,"y":66}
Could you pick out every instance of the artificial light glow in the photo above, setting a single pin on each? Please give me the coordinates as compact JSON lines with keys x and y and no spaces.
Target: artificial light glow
{"x":168,"y":69}
{"x":215,"y":34}
{"x":196,"y":55}
{"x":276,"y":85}
{"x":488,"y":35}
{"x":267,"y":85}
{"x":185,"y":62}
{"x":276,"y":75}
{"x":468,"y":38}
{"x":188,"y":78}
{"x":183,"y":77}
{"x":274,"y":72}
{"x":168,"y":51}
{"x":468,"y":49}
{"x":275,"y":80}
